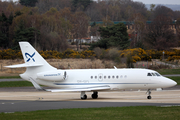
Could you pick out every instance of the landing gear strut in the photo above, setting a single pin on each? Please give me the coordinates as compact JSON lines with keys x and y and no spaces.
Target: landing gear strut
{"x":83,"y":95}
{"x":94,"y":95}
{"x":149,"y":94}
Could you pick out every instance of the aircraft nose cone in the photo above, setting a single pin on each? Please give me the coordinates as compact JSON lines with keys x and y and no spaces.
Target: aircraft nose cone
{"x":167,"y":82}
{"x":171,"y":83}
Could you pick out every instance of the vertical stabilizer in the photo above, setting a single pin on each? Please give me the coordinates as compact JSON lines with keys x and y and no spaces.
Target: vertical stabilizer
{"x":33,"y":58}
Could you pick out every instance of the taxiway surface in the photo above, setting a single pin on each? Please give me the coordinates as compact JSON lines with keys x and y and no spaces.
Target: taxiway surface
{"x":28,"y":99}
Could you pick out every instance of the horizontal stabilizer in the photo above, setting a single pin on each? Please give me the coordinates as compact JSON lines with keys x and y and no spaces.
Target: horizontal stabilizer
{"x":23,"y":65}
{"x":93,"y":88}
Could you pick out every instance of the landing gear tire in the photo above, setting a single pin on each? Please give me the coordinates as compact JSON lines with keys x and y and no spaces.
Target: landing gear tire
{"x":149,"y":94}
{"x":84,"y":97}
{"x":94,"y":95}
{"x":148,"y":97}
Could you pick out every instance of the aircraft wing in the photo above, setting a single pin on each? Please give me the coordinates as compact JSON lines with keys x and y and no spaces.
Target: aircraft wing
{"x":93,"y":88}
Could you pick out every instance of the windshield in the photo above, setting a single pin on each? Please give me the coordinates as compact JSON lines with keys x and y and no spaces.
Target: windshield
{"x":157,"y":74}
{"x":153,"y":74}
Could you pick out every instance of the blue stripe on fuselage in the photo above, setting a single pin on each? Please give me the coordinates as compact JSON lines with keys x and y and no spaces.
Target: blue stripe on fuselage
{"x":96,"y":83}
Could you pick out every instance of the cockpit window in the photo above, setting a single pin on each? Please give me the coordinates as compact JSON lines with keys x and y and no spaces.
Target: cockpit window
{"x":153,"y":74}
{"x":157,"y":74}
{"x":149,"y":74}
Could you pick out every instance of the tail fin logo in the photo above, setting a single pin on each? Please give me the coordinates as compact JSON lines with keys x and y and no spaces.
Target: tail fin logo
{"x":29,"y":57}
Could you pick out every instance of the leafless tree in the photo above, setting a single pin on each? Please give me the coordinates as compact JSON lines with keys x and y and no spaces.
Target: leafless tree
{"x":46,"y":5}
{"x":139,"y":28}
{"x":159,"y":34}
{"x":81,"y":27}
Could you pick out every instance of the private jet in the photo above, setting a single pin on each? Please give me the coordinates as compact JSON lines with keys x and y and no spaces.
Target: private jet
{"x":39,"y":72}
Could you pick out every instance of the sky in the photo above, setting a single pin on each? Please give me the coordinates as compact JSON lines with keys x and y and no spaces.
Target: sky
{"x":159,"y":1}
{"x":151,"y":1}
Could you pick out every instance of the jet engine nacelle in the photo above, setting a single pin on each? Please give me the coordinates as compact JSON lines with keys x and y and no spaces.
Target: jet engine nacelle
{"x":52,"y":75}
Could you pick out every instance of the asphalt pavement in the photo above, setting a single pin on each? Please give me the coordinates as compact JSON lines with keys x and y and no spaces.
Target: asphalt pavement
{"x":19,"y":99}
{"x":9,"y":106}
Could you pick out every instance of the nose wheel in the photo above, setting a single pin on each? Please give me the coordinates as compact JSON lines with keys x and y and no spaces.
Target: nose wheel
{"x":149,"y":97}
{"x":149,"y":94}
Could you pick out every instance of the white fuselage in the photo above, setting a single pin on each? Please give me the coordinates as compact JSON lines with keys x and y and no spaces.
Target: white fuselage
{"x":116,"y":78}
{"x":38,"y":71}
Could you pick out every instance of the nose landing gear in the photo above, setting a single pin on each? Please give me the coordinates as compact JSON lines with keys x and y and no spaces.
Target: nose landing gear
{"x":149,"y":94}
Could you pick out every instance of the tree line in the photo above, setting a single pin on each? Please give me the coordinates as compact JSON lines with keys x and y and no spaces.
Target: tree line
{"x":47,"y":24}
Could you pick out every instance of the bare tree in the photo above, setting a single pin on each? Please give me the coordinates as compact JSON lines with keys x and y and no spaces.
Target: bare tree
{"x":81,"y":27}
{"x":139,"y":28}
{"x":159,"y":34}
{"x":162,"y":11}
{"x":45,"y":5}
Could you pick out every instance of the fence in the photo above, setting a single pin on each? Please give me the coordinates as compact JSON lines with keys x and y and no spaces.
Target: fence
{"x":156,"y":63}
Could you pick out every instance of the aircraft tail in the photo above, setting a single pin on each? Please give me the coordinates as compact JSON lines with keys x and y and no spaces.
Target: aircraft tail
{"x":32,"y":59}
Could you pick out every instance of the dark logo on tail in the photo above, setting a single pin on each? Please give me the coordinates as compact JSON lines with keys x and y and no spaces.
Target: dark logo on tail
{"x":29,"y":57}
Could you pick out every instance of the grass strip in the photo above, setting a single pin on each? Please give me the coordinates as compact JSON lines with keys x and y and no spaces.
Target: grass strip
{"x":15,"y":84}
{"x":107,"y":113}
{"x":9,"y":77}
{"x":169,"y":71}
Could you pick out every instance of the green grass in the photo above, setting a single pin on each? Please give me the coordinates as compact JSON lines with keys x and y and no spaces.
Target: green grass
{"x":9,"y":77}
{"x":107,"y":113}
{"x":169,"y":71}
{"x":177,"y":79}
{"x":15,"y":84}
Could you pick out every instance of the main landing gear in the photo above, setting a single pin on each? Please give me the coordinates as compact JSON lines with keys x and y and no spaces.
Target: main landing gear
{"x":149,"y":94}
{"x":84,"y":96}
{"x":94,"y":95}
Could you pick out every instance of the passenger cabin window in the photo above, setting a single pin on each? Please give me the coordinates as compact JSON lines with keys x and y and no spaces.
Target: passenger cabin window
{"x":104,"y":77}
{"x":91,"y":77}
{"x":95,"y":77}
{"x":109,"y":77}
{"x":100,"y":77}
{"x":113,"y":77}
{"x":117,"y":76}
{"x":149,"y":74}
